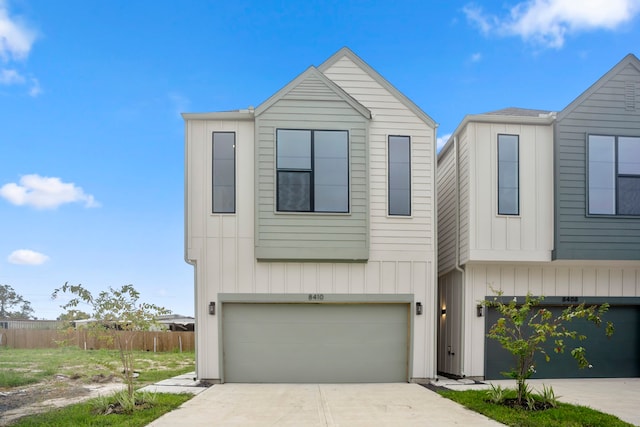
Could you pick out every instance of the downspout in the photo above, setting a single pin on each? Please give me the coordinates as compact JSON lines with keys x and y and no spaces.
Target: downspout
{"x":457,"y":256}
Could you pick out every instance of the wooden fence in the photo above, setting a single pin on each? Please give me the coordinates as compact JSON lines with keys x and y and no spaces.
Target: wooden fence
{"x":157,"y":341}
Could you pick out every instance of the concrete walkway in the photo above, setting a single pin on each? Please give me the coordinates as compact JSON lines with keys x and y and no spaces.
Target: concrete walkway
{"x":616,"y":396}
{"x":349,"y":405}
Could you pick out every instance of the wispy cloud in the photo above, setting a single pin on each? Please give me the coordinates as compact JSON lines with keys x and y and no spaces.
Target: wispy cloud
{"x":476,"y":57}
{"x":441,"y":141}
{"x":45,"y":193}
{"x":16,"y":40}
{"x":548,"y":22}
{"x":27,"y":257}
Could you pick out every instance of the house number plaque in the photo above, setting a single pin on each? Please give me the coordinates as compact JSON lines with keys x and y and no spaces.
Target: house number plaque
{"x":316,"y":297}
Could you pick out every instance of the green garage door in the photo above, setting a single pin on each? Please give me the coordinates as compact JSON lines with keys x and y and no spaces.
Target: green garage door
{"x":315,"y":343}
{"x":615,"y":357}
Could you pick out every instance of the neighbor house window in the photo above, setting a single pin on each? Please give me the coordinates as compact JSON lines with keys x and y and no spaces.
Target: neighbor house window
{"x":312,"y":170}
{"x":614,"y":175}
{"x":399,"y":186}
{"x":224,"y":172}
{"x":508,"y":175}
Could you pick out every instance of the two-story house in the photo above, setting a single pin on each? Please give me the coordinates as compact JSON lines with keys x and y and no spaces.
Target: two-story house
{"x":310,"y":222}
{"x":546,"y":203}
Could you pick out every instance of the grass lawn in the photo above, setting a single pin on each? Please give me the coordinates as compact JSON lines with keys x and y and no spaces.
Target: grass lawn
{"x":34,"y":375}
{"x":19,"y":367}
{"x":83,"y":414}
{"x":564,"y":415}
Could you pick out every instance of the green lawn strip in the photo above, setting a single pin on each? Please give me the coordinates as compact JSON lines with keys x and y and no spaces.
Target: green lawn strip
{"x":564,"y":415}
{"x":83,"y":414}
{"x":20,"y":367}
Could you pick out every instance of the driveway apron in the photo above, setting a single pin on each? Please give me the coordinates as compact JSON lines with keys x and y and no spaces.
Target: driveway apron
{"x":370,"y":405}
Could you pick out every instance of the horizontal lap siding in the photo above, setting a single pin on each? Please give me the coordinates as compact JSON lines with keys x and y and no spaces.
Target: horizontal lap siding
{"x":310,"y":105}
{"x":602,"y":112}
{"x":447,"y":218}
{"x":392,"y":117}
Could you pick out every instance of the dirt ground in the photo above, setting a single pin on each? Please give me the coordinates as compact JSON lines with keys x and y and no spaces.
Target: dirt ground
{"x":57,"y":392}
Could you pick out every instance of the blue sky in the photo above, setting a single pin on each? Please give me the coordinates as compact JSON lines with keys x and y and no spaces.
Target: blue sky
{"x":91,"y":139}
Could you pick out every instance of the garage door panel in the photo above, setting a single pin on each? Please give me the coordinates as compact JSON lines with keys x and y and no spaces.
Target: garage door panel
{"x":315,"y":342}
{"x":615,"y":357}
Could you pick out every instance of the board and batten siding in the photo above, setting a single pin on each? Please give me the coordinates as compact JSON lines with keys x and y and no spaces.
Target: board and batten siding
{"x":311,"y":105}
{"x":609,"y":107}
{"x":400,"y":235}
{"x":524,"y":237}
{"x":611,"y":279}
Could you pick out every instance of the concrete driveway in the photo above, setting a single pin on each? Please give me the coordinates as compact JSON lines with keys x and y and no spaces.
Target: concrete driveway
{"x":300,"y":405}
{"x":616,"y":396}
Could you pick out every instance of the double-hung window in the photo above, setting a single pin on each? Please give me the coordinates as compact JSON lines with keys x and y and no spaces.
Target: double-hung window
{"x":614,"y":175}
{"x":312,"y":170}
{"x":224,"y":172}
{"x":508,"y":175}
{"x":399,"y":172}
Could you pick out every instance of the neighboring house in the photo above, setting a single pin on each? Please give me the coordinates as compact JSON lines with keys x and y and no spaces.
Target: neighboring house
{"x":310,"y":222}
{"x":531,"y":201}
{"x":29,"y":324}
{"x":176,"y":322}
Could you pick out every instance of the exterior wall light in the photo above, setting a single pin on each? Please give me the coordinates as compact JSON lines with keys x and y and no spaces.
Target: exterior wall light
{"x":443,"y":311}
{"x":418,"y":308}
{"x":479,"y":310}
{"x":212,"y":308}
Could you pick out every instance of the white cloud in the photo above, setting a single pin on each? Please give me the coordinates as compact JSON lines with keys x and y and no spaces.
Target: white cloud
{"x":547,"y":22}
{"x":10,"y":77}
{"x":16,"y":38}
{"x":35,"y":88}
{"x":476,"y":57}
{"x":441,"y":141}
{"x":27,"y":257}
{"x":45,"y":193}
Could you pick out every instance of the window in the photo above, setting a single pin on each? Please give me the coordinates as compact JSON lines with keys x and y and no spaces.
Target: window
{"x":224,"y":172}
{"x":508,"y":175}
{"x":399,"y":187}
{"x":614,"y":175}
{"x":312,"y":170}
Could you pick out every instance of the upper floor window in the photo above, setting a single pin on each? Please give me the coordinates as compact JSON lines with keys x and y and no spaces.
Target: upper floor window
{"x":614,"y":175}
{"x":399,"y":186}
{"x":224,"y":172}
{"x":312,"y":170}
{"x":508,"y":175}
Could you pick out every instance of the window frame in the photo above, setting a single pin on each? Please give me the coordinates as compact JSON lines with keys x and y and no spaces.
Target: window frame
{"x":311,"y":171}
{"x":389,"y":175}
{"x":617,"y":175}
{"x":213,"y":178}
{"x":498,"y":186}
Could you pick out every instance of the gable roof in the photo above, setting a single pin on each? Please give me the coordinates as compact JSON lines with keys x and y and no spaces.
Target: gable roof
{"x":313,"y":72}
{"x":630,"y":59}
{"x":346,"y":52}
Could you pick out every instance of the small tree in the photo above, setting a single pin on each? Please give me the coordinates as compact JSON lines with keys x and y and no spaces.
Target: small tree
{"x":524,"y":328}
{"x":13,"y":305}
{"x":118,"y":317}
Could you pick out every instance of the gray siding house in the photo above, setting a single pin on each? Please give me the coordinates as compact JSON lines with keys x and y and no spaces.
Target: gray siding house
{"x":597,"y":169}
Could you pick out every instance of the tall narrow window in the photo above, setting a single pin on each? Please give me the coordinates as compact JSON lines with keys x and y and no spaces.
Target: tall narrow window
{"x":508,"y":175}
{"x":312,"y":170}
{"x":399,"y":187}
{"x":614,"y":175}
{"x":224,"y":172}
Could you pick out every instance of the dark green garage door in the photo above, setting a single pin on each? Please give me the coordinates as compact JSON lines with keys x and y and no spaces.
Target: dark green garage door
{"x":315,"y":343}
{"x":615,"y":357}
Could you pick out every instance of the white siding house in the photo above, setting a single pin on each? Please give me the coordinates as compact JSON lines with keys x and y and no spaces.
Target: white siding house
{"x":314,"y":261}
{"x":514,"y":216}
